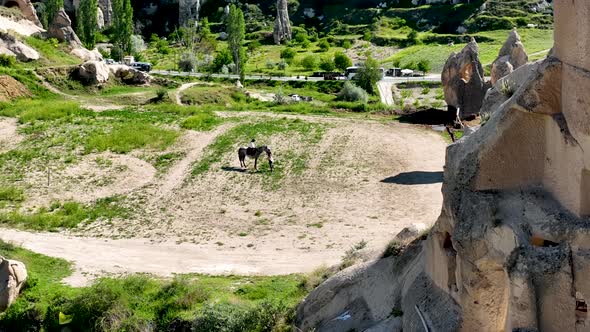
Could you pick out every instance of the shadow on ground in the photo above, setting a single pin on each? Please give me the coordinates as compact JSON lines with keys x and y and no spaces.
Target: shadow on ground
{"x":413,"y":178}
{"x":234,"y":169}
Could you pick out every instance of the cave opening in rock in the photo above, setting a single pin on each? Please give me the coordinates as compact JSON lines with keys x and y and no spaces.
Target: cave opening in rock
{"x":452,"y":261}
{"x":10,"y":4}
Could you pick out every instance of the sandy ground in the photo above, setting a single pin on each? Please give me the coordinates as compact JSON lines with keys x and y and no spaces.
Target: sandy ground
{"x":9,"y":137}
{"x":364,"y":181}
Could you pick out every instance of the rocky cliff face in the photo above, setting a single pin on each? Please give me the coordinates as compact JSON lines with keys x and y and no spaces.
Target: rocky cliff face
{"x":511,"y":248}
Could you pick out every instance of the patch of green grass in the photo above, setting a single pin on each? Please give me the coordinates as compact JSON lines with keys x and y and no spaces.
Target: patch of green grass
{"x":134,"y":303}
{"x":204,"y":121}
{"x":29,"y":110}
{"x":65,"y":215}
{"x":305,"y":133}
{"x":130,"y":136}
{"x":164,"y":161}
{"x":11,"y":194}
{"x":53,"y":53}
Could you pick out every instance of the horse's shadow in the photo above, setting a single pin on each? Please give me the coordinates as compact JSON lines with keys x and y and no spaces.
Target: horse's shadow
{"x":234,"y":169}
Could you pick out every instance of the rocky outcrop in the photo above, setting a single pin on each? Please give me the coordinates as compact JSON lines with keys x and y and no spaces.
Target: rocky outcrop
{"x":86,"y":55}
{"x":189,"y":10}
{"x":13,"y":275}
{"x":9,"y":45}
{"x":106,"y":9}
{"x":129,"y":75}
{"x":26,"y":7}
{"x":511,"y":56}
{"x":99,"y":18}
{"x":61,"y":29}
{"x":282,"y":29}
{"x":511,"y":248}
{"x":464,"y":82}
{"x":93,"y":72}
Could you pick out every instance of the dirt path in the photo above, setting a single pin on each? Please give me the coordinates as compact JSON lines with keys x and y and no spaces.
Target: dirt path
{"x":195,"y":143}
{"x":178,"y":94}
{"x":385,"y":92}
{"x":9,"y":137}
{"x":98,"y":257}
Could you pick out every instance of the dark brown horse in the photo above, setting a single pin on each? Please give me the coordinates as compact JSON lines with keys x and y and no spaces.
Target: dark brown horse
{"x":255,"y":153}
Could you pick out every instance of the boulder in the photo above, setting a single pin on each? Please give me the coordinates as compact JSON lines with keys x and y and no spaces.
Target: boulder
{"x":129,"y":75}
{"x":61,"y":29}
{"x":13,"y":275}
{"x":282,"y":28}
{"x":410,"y":233}
{"x":511,"y":56}
{"x":93,"y":72}
{"x":463,"y":81}
{"x":9,"y":45}
{"x":86,"y":55}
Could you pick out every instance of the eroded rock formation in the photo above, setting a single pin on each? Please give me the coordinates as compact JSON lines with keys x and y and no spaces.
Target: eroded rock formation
{"x":26,"y":7}
{"x":511,"y":248}
{"x":61,"y":29}
{"x":189,"y":10}
{"x":282,"y":29}
{"x":129,"y":75}
{"x":9,"y":45}
{"x":512,"y":55}
{"x":464,"y":82}
{"x":13,"y":275}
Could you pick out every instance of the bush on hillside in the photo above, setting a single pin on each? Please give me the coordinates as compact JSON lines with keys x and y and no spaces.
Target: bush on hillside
{"x":187,"y":62}
{"x":7,"y":60}
{"x":310,"y":62}
{"x":351,"y":92}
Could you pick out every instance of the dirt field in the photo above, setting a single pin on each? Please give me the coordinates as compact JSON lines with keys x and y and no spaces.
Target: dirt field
{"x":361,"y":181}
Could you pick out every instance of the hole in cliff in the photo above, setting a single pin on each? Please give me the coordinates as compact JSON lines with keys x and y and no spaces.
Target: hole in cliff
{"x":448,"y":241}
{"x":11,"y":4}
{"x":451,"y":262}
{"x":581,"y":308}
{"x":538,"y":241}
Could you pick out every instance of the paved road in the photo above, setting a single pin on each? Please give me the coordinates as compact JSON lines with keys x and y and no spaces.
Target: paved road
{"x":431,"y":77}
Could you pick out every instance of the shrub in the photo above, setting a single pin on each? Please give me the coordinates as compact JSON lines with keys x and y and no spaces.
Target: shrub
{"x":326,"y":64}
{"x":310,"y":62}
{"x":324,"y":45}
{"x":161,"y":93}
{"x":393,"y":249}
{"x":288,"y":54}
{"x":342,"y":61}
{"x":282,"y":65}
{"x":269,"y":64}
{"x":351,"y":92}
{"x":187,"y":62}
{"x":7,"y":60}
{"x":424,"y":66}
{"x":347,"y":44}
{"x":223,"y":57}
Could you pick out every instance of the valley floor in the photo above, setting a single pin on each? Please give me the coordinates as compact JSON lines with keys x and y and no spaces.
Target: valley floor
{"x":357,"y":181}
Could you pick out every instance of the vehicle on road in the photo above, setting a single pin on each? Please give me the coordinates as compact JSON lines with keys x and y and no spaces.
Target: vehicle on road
{"x":142,"y":66}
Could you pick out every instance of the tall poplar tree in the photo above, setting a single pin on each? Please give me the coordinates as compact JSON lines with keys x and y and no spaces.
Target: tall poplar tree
{"x":236,"y":31}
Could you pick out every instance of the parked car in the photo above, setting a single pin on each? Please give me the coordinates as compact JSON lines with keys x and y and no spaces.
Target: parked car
{"x":142,"y":66}
{"x":109,"y":61}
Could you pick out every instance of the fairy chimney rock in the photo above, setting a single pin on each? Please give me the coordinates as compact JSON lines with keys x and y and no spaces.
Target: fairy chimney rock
{"x":282,"y":29}
{"x":511,"y":56}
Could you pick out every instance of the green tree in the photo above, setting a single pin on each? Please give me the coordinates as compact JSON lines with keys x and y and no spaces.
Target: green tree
{"x":87,"y":25}
{"x":223,"y":58}
{"x":424,"y":66}
{"x":236,"y":31}
{"x":51,"y":9}
{"x":368,"y":75}
{"x":342,"y":61}
{"x":122,"y":25}
{"x":288,"y":54}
